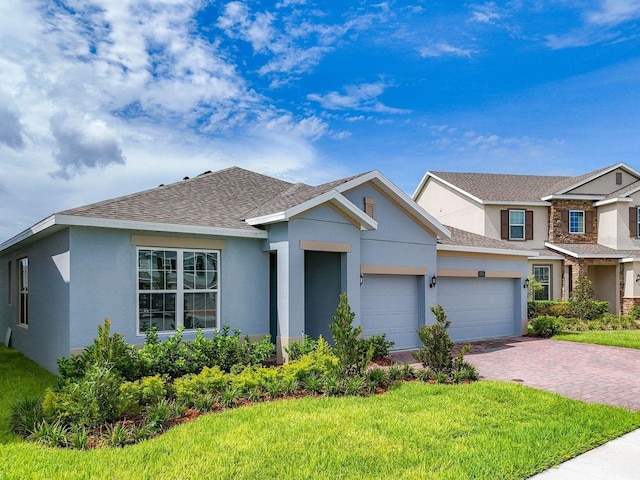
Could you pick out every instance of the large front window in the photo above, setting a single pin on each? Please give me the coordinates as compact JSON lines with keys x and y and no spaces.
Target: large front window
{"x":23,"y":292}
{"x":542,"y":276}
{"x":576,"y":221}
{"x":177,"y":288}
{"x":516,"y":224}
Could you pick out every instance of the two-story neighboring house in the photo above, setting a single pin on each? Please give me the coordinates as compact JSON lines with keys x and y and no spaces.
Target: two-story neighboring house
{"x":581,"y":226}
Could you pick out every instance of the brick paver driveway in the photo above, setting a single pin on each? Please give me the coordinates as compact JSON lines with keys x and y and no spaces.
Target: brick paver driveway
{"x":593,"y":373}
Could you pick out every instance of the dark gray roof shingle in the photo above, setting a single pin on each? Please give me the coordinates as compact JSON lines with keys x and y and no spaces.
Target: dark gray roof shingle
{"x":468,"y":239}
{"x":218,"y":199}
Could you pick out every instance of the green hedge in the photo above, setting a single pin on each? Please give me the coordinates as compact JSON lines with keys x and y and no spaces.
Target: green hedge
{"x":556,"y":308}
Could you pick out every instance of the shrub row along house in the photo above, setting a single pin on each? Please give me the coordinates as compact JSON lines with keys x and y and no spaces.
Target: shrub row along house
{"x":584,"y":226}
{"x":262,"y":255}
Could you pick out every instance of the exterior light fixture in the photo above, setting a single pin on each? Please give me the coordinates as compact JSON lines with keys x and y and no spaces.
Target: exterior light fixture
{"x":361,"y":279}
{"x":526,"y":283}
{"x":433,"y":281}
{"x":638,"y":278}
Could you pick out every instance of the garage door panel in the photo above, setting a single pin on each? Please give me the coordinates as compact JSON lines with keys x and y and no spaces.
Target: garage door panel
{"x":478,"y":307}
{"x":389,"y":305}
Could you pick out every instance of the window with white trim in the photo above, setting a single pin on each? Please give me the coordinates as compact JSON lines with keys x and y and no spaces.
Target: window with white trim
{"x":576,"y":221}
{"x":516,"y":224}
{"x":9,"y":279}
{"x":638,"y":222}
{"x":23,"y":292}
{"x":542,"y":276}
{"x":177,"y":288}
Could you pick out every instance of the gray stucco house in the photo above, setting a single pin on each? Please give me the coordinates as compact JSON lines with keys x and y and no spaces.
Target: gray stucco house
{"x":262,"y":255}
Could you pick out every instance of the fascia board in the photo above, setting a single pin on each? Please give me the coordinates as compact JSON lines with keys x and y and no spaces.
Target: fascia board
{"x":494,"y":251}
{"x":597,"y":175}
{"x":584,"y":255}
{"x":556,"y":196}
{"x":453,"y":187}
{"x":630,"y":259}
{"x":333,"y":196}
{"x":266,"y":219}
{"x":78,"y":221}
{"x":390,"y":187}
{"x":614,"y":200}
{"x":540,"y":203}
{"x":42,"y":225}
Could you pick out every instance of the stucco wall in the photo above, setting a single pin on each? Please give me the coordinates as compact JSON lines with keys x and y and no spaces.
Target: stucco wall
{"x":540,"y":225}
{"x":452,"y":208}
{"x":556,"y":275}
{"x":605,"y":184}
{"x":104,"y":263}
{"x":47,"y":337}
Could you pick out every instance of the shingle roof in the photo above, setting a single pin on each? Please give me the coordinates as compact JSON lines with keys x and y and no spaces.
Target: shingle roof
{"x":502,"y":187}
{"x":295,"y":195}
{"x":218,"y":199}
{"x":593,"y":249}
{"x":468,"y":239}
{"x":623,"y":191}
{"x":221,"y":199}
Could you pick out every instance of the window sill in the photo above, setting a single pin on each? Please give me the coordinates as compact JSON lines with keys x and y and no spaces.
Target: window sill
{"x":24,"y":328}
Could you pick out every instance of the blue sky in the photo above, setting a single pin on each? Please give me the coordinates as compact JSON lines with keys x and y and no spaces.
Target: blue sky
{"x":100,"y":98}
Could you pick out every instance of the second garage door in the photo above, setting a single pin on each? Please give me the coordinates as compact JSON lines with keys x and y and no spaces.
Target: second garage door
{"x":389,"y":305}
{"x":478,"y":307}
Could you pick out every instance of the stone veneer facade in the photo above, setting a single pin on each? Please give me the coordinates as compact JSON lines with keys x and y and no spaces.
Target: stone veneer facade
{"x":556,"y":231}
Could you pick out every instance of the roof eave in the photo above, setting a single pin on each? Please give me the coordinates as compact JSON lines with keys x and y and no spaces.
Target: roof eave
{"x":614,"y":200}
{"x":333,"y":197}
{"x":531,"y":203}
{"x":425,"y":179}
{"x":585,"y":255}
{"x":486,"y":250}
{"x":556,"y":196}
{"x":41,"y":226}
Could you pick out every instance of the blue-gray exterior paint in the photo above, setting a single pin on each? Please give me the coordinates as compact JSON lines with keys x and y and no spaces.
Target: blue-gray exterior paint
{"x":515,"y":265}
{"x":322,"y":291}
{"x":47,"y":337}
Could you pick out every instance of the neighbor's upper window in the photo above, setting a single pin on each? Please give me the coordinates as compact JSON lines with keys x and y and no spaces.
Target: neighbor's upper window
{"x":23,"y":292}
{"x":638,"y":223}
{"x":177,"y":288}
{"x":576,"y":221}
{"x":516,"y":224}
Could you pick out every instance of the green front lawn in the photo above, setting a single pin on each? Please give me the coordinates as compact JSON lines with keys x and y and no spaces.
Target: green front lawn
{"x":615,"y":338}
{"x":416,"y":430}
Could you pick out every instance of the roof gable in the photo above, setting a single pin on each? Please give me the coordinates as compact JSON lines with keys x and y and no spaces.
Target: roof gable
{"x":574,"y":184}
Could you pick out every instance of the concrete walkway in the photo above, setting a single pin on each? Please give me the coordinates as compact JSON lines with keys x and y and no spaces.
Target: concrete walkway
{"x":618,"y":459}
{"x":592,"y":373}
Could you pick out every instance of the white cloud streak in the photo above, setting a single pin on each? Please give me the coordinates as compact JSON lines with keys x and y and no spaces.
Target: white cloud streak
{"x":363,"y":97}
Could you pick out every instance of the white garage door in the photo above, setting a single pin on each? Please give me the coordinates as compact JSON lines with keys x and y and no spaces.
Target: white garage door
{"x":478,"y":307}
{"x":389,"y":305}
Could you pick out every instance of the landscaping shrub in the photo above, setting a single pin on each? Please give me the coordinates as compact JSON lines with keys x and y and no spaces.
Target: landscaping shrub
{"x":583,"y":305}
{"x":90,"y":401}
{"x":26,"y":413}
{"x":379,"y":345}
{"x":135,"y":395}
{"x":634,"y":313}
{"x":607,"y":321}
{"x":109,"y":351}
{"x":347,"y":342}
{"x":297,"y":349}
{"x":211,"y":380}
{"x":546,"y":326}
{"x":435,"y":353}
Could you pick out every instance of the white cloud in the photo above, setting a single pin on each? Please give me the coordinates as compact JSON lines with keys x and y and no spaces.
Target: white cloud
{"x":615,"y":12}
{"x":442,"y":49}
{"x":11,"y":130}
{"x":83,"y":143}
{"x":486,"y":13}
{"x":363,"y":97}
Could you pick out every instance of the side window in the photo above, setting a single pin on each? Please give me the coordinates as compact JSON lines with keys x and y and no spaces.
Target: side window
{"x":23,"y":292}
{"x":9,"y":276}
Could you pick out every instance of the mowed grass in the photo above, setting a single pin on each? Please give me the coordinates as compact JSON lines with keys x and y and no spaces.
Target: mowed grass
{"x":615,"y":338}
{"x":416,"y":430}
